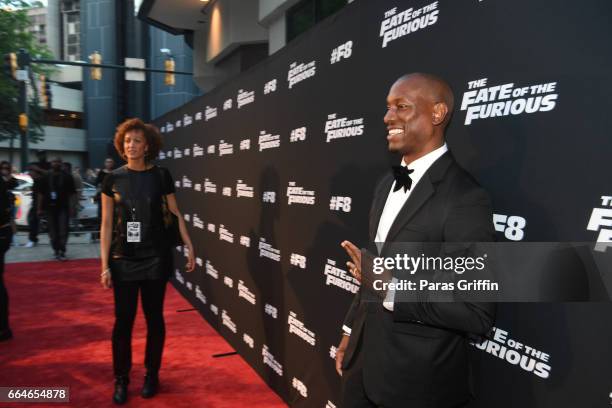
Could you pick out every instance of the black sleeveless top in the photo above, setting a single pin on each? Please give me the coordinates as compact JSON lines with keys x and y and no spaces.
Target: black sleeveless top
{"x":137,"y":196}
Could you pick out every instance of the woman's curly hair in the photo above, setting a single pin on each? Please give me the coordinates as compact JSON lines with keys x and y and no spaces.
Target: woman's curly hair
{"x":150,"y":132}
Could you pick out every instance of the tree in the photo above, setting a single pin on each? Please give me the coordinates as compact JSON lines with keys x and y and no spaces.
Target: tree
{"x":14,"y":35}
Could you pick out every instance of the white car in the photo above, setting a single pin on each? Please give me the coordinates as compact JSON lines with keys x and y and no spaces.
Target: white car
{"x":87,"y":215}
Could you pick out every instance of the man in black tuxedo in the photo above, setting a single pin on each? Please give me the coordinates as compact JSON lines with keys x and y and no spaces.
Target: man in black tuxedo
{"x":415,"y":354}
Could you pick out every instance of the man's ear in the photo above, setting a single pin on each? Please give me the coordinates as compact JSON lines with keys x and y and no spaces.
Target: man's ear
{"x":440,"y":110}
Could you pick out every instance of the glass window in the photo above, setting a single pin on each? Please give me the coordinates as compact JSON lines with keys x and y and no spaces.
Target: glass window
{"x":300,"y":18}
{"x":328,"y":7}
{"x":307,"y":13}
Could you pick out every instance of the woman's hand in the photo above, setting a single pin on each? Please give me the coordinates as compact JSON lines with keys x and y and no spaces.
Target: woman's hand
{"x":190,"y":266}
{"x":105,"y":278}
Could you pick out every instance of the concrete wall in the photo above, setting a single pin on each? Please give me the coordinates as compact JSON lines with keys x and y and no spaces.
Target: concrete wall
{"x":53,"y":28}
{"x":205,"y":75}
{"x":66,"y":98}
{"x":69,"y":144}
{"x":68,"y":73}
{"x":277,"y":34}
{"x":230,"y":24}
{"x":57,"y":138}
{"x":272,"y":15}
{"x":272,"y":9}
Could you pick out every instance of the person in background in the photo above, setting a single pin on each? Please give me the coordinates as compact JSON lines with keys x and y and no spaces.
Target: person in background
{"x":78,"y":184}
{"x":75,"y":202}
{"x":109,"y":164}
{"x":37,"y":170}
{"x":78,"y":180}
{"x":56,"y":191}
{"x":33,"y":220}
{"x":6,"y":170}
{"x":42,"y":164}
{"x":90,"y":176}
{"x":7,"y":226}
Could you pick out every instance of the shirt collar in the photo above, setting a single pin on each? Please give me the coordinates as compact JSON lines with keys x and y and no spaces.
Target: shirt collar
{"x":424,"y":162}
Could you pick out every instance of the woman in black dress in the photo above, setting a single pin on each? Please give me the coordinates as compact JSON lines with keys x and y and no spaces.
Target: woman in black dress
{"x":136,"y":256}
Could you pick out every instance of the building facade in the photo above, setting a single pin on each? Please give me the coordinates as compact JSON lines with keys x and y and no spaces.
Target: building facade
{"x":230,"y":36}
{"x":214,"y":39}
{"x":64,"y":134}
{"x":113,"y":29}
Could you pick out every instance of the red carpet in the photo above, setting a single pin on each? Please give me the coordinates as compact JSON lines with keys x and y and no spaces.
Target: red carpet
{"x":62,"y":322}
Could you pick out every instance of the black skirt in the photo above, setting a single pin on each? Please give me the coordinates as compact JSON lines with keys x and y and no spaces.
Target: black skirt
{"x":134,"y":269}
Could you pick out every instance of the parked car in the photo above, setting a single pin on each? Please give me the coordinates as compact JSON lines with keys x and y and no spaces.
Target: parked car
{"x":87,"y":215}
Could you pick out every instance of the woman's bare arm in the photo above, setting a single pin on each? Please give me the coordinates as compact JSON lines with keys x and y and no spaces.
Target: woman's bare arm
{"x":106,"y":226}
{"x":173,"y":207}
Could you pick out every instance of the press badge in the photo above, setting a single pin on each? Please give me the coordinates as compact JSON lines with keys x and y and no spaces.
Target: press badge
{"x":133,"y":231}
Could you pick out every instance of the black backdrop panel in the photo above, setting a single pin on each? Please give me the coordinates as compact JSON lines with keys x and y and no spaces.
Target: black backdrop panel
{"x":276,"y":167}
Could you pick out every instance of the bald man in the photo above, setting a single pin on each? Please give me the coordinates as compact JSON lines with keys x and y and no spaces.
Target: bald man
{"x":415,"y":354}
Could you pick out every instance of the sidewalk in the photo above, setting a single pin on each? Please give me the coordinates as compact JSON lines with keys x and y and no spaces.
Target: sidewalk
{"x":79,"y":247}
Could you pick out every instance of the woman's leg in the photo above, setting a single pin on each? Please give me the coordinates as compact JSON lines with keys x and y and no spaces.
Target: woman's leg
{"x":152,"y":293}
{"x":126,"y":302}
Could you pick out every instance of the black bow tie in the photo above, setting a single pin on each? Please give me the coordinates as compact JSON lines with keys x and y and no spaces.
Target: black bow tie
{"x":402,"y":178}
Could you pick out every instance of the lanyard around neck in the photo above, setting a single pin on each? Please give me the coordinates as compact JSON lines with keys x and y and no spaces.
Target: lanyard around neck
{"x":130,"y":194}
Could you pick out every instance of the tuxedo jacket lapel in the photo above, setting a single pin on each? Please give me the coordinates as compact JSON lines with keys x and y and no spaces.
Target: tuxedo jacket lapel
{"x":422,"y":192}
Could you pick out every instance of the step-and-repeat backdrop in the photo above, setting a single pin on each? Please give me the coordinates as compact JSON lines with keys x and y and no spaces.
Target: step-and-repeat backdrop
{"x":276,"y":167}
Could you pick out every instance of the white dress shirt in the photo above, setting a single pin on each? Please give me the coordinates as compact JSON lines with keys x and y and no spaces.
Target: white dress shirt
{"x":397,"y":199}
{"x":393,"y":205}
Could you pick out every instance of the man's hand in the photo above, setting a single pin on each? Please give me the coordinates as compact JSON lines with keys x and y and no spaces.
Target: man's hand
{"x":354,"y":264}
{"x":340,"y":353}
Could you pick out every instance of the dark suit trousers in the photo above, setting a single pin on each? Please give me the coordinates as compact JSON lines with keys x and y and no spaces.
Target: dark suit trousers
{"x":126,"y":302}
{"x":33,"y":222}
{"x":57,"y":222}
{"x":353,"y":390}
